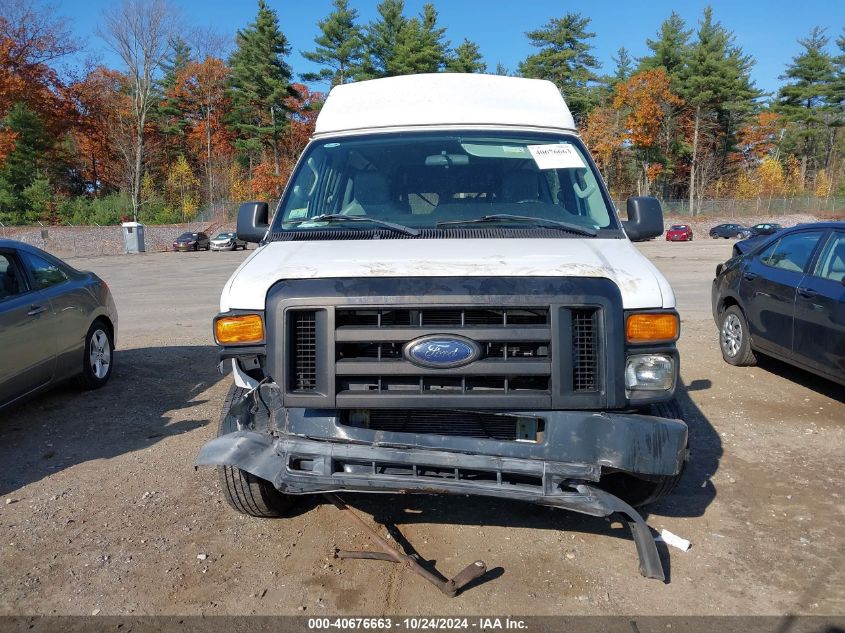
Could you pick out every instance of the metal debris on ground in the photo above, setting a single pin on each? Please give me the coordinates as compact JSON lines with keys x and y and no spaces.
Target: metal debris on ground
{"x":449,"y":587}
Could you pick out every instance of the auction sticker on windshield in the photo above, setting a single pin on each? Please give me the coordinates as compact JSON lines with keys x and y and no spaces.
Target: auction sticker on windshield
{"x":557,"y":156}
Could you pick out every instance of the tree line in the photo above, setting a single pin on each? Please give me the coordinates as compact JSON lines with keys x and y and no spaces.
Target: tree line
{"x":181,"y":124}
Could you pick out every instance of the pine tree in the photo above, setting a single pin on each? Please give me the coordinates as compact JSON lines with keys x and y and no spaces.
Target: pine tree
{"x":624,"y":65}
{"x":381,"y":37}
{"x":421,"y":47}
{"x":808,"y":98}
{"x":168,"y":113}
{"x":501,"y":70}
{"x":340,"y":46}
{"x":466,"y":59}
{"x":260,"y":82}
{"x":670,"y":49}
{"x":607,"y":84}
{"x":27,"y":161}
{"x":565,"y":58}
{"x":716,"y":85}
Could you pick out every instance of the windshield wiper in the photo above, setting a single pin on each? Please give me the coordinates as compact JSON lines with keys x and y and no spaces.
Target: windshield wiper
{"x":506,"y":217}
{"x":337,"y":217}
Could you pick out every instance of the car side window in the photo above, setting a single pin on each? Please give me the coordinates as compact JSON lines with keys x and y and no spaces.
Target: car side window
{"x":831,"y":264}
{"x":45,"y":273}
{"x":791,"y":252}
{"x":11,"y":278}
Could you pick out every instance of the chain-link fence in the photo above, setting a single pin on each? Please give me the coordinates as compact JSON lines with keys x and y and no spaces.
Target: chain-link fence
{"x":733,"y":207}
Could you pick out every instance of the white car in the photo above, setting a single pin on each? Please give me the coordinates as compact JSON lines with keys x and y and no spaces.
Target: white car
{"x":227,"y":242}
{"x":445,"y":300}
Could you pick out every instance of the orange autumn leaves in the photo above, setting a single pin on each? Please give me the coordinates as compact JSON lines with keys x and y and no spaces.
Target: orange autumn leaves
{"x":635,"y":119}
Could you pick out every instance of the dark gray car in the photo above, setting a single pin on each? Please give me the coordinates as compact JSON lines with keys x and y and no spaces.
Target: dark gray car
{"x":56,"y":323}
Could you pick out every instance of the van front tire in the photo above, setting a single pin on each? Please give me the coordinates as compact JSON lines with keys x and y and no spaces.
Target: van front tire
{"x":642,"y":491}
{"x":243,"y":491}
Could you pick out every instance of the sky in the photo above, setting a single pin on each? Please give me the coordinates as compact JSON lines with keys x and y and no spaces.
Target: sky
{"x":769,"y":31}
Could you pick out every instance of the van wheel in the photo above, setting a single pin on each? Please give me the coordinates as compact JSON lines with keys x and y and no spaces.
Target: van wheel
{"x":641,"y":491}
{"x":245,"y":492}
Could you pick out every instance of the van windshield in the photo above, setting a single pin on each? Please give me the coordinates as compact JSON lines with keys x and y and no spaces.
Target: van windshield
{"x":444,"y":181}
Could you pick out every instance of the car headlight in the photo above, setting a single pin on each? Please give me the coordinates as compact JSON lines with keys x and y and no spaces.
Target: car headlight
{"x":650,"y":372}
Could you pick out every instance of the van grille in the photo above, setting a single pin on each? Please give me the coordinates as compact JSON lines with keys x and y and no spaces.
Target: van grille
{"x":304,"y":344}
{"x":585,"y":357}
{"x":514,"y":346}
{"x":529,"y":358}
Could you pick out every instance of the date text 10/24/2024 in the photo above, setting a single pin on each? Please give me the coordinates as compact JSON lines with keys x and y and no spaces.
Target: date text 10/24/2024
{"x":416,"y":624}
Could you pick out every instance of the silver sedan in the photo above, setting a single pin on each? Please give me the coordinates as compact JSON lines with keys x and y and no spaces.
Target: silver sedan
{"x":227,"y":242}
{"x":56,"y":323}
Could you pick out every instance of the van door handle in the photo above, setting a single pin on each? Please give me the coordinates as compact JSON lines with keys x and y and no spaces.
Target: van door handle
{"x":750,"y":276}
{"x":33,"y":310}
{"x":807,"y":293}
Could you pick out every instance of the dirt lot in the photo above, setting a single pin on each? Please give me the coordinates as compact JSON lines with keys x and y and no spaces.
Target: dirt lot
{"x":101,"y":509}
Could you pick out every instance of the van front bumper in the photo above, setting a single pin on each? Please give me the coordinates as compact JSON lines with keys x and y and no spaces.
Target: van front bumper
{"x":304,"y":451}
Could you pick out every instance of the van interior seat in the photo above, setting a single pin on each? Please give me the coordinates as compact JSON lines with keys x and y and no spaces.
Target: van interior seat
{"x":371,"y":195}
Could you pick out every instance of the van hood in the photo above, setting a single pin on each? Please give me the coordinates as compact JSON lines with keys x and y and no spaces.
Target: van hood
{"x":641,"y":284}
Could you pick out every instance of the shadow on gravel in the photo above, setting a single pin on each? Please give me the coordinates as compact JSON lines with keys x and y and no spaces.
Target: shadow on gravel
{"x":690,"y":499}
{"x":67,"y":426}
{"x":820,"y":385}
{"x":696,"y":490}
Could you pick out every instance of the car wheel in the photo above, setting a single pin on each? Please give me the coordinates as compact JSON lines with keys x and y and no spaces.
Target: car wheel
{"x":97,"y":356}
{"x":641,"y":491}
{"x":243,"y":491}
{"x":734,"y":338}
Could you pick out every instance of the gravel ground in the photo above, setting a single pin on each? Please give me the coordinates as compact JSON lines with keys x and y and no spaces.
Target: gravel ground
{"x":101,"y":510}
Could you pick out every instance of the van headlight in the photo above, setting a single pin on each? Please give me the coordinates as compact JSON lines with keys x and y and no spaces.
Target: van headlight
{"x":650,"y":372}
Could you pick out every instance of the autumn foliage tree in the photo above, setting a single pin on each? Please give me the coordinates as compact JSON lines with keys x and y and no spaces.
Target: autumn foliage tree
{"x":647,"y":100}
{"x":200,"y":95}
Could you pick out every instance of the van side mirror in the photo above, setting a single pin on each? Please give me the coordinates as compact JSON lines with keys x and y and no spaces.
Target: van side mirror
{"x":645,"y":218}
{"x":253,"y":221}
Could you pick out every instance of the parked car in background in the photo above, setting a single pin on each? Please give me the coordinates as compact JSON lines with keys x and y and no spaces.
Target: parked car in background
{"x":729,"y":230}
{"x":191,"y":242}
{"x":679,"y":233}
{"x":764,"y":229}
{"x":56,"y":323}
{"x":227,"y":242}
{"x":786,"y":298}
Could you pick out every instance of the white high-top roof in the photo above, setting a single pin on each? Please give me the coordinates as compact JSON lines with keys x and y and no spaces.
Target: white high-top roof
{"x":444,"y":99}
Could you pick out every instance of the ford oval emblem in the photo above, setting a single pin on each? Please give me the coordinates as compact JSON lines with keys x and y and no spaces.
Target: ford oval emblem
{"x":441,"y":351}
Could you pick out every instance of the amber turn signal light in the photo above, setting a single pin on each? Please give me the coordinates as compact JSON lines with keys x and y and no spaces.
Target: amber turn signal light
{"x":652,"y":328}
{"x":239,"y":328}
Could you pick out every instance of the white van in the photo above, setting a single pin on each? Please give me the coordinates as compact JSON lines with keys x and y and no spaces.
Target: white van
{"x":446,"y":301}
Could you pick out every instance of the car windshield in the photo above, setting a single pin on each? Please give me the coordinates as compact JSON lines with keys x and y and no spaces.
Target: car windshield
{"x":187,"y":236}
{"x":225,"y":236}
{"x":678,"y":227}
{"x":447,"y":181}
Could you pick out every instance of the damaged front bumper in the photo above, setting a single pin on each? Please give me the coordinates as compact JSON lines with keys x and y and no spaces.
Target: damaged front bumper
{"x":304,"y":451}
